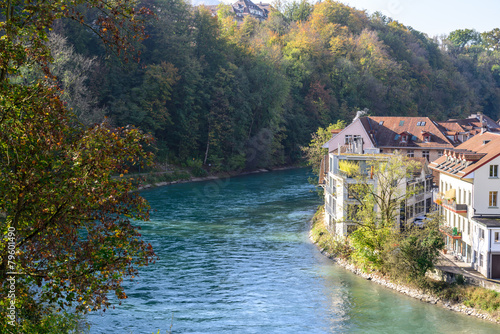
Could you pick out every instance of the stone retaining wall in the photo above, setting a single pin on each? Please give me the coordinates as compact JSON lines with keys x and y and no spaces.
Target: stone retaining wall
{"x":409,"y":291}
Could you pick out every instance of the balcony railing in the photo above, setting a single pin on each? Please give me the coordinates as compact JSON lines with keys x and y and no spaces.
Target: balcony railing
{"x":347,"y":175}
{"x":330,"y":209}
{"x":330,"y":189}
{"x":450,"y":204}
{"x":453,"y":233}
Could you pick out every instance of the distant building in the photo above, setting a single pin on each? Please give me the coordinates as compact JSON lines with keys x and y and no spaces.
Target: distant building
{"x":244,"y":8}
{"x":460,"y":130}
{"x":468,"y":199}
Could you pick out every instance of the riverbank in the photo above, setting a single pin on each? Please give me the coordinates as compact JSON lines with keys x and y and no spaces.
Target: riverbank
{"x":321,"y":237}
{"x":186,"y":177}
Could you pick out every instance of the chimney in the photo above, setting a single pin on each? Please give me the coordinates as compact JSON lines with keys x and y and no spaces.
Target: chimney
{"x":481,"y":121}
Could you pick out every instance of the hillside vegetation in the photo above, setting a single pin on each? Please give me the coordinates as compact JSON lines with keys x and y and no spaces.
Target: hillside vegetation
{"x":249,"y":95}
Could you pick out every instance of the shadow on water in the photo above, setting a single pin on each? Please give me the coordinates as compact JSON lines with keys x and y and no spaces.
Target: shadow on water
{"x":235,"y":258}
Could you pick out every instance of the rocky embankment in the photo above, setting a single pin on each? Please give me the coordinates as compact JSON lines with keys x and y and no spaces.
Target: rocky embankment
{"x":409,"y":291}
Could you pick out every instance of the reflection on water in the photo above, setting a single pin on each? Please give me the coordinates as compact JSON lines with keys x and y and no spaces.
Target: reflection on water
{"x":235,"y":258}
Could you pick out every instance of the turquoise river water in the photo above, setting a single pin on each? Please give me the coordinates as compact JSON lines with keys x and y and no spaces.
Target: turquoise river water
{"x":235,"y":258}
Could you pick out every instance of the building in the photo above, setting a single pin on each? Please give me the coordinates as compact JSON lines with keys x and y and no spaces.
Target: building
{"x":417,"y":137}
{"x":460,"y":130}
{"x":468,"y":199}
{"x":337,"y":181}
{"x":244,"y":8}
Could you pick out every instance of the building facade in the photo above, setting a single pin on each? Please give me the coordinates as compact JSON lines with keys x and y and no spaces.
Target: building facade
{"x":469,"y":185}
{"x":340,"y":202}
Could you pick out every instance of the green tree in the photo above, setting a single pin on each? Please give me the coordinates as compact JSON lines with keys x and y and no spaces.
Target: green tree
{"x":315,"y":151}
{"x":491,"y":39}
{"x":415,"y":251}
{"x":296,"y":11}
{"x":379,"y":191}
{"x":462,"y":38}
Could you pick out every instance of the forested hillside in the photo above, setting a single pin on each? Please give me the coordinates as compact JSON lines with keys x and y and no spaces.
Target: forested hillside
{"x":249,"y":96}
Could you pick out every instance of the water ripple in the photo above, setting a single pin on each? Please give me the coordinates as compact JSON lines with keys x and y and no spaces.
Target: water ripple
{"x":235,"y":258}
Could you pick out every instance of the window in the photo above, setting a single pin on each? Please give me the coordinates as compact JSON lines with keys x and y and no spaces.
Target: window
{"x":428,"y":204}
{"x":348,"y":139}
{"x":494,"y":171}
{"x":497,"y":236}
{"x":440,"y":153}
{"x":404,"y":138}
{"x":401,"y":123}
{"x":468,"y":227}
{"x":481,"y":259}
{"x":409,"y":211}
{"x":396,"y":137}
{"x":410,"y":153}
{"x":427,"y":139}
{"x":493,"y":198}
{"x":419,"y":208}
{"x":481,"y":233}
{"x":425,"y":154}
{"x":381,"y":123}
{"x":418,"y":123}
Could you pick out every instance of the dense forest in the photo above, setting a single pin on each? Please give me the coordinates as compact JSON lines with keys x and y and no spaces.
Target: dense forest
{"x":248,"y":95}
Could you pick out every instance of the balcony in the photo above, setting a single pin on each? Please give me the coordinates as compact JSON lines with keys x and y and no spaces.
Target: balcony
{"x":330,"y":189}
{"x":330,"y":209}
{"x":453,"y":233}
{"x":450,"y":203}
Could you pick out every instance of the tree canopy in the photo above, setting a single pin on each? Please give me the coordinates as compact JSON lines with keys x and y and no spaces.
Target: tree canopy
{"x":307,"y":66}
{"x":66,"y":210}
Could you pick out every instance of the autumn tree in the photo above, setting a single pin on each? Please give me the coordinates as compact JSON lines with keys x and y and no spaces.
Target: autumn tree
{"x":66,"y":209}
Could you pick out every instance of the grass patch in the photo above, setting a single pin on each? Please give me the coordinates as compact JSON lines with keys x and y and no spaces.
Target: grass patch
{"x":476,"y":297}
{"x":484,"y":299}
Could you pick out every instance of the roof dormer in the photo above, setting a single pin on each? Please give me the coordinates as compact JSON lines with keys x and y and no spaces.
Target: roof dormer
{"x":404,"y":137}
{"x":426,"y":137}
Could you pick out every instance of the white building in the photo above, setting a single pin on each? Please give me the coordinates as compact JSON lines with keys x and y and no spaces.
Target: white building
{"x":468,"y":198}
{"x":341,"y":204}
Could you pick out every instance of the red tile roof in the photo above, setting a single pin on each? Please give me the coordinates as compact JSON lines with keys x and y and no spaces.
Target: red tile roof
{"x":469,"y":156}
{"x":386,"y":132}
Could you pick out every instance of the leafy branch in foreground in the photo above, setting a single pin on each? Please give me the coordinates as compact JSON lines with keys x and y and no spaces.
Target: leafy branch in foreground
{"x":65,"y":214}
{"x":74,"y":241}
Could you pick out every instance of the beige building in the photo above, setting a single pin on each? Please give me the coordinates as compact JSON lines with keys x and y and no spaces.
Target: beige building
{"x":468,"y":199}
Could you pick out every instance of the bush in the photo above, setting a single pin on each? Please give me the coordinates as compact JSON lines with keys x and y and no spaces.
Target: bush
{"x":53,"y":323}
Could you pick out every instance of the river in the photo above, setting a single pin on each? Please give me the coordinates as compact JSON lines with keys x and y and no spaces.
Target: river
{"x":235,"y":258}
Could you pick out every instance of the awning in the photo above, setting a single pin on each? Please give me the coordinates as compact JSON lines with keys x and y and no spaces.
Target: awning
{"x":450,"y":194}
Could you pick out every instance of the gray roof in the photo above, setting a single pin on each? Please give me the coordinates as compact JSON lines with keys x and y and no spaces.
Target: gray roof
{"x":488,"y":221}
